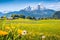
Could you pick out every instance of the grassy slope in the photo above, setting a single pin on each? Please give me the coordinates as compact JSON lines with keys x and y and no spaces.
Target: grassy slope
{"x":50,"y":26}
{"x":38,"y":28}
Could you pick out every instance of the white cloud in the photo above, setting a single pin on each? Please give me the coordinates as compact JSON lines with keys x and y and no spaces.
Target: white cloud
{"x":55,"y":6}
{"x":11,"y":7}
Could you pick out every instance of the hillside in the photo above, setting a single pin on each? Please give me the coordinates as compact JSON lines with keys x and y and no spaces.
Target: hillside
{"x":30,"y":29}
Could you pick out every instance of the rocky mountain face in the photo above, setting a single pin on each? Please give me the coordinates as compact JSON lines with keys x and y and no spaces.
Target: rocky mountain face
{"x":38,"y":12}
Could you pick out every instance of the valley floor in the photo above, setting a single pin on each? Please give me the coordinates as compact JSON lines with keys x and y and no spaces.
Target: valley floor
{"x":25,"y":29}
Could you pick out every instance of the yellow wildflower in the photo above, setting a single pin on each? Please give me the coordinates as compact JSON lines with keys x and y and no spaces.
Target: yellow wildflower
{"x":7,"y":28}
{"x":20,"y":31}
{"x":3,"y":33}
{"x":13,"y":27}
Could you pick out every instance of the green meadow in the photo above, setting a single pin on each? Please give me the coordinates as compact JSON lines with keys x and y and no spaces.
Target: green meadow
{"x":25,"y":29}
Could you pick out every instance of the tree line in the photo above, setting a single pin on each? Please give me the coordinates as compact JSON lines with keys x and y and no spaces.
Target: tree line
{"x":16,"y":16}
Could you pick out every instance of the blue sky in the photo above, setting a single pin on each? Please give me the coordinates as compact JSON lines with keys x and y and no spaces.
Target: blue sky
{"x":15,"y":5}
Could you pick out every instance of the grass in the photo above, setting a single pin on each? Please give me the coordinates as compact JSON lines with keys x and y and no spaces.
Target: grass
{"x":36,"y":29}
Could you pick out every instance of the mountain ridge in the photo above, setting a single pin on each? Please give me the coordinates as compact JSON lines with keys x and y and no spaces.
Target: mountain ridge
{"x":38,"y":13}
